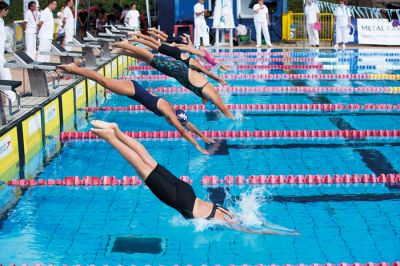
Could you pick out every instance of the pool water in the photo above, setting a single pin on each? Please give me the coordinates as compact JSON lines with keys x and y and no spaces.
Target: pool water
{"x":128,"y":225}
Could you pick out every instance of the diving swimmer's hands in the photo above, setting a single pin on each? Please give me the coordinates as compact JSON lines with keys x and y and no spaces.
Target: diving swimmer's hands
{"x":208,"y":140}
{"x":223,"y":82}
{"x":203,"y":151}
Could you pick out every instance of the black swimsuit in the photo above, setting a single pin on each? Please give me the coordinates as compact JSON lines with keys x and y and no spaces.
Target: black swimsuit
{"x":145,"y":98}
{"x":173,"y":52}
{"x":172,"y":191}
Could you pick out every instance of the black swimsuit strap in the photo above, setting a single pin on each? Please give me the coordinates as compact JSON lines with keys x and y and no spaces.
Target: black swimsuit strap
{"x":214,"y":210}
{"x":212,"y":214}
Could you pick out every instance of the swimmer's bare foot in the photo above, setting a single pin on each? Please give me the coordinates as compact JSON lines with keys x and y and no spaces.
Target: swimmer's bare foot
{"x":106,"y":134}
{"x":104,"y":125}
{"x":117,"y":51}
{"x":123,"y":44}
{"x":70,"y":68}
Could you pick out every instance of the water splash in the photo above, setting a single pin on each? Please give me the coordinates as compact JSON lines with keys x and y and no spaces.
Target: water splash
{"x":247,"y":210}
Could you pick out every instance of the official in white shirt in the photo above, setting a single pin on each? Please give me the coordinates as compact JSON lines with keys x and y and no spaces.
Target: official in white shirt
{"x":311,"y":11}
{"x":343,"y":23}
{"x":200,"y":25}
{"x":261,"y":21}
{"x":132,"y":17}
{"x":68,"y":22}
{"x":46,"y":31}
{"x":30,"y":28}
{"x":4,"y":72}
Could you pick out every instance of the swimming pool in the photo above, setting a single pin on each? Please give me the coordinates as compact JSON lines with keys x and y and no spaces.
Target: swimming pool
{"x":128,"y":225}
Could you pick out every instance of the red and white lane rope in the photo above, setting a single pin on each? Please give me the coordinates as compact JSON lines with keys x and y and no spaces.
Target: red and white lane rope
{"x":306,"y":53}
{"x":247,"y":134}
{"x":292,"y":67}
{"x":310,"y":179}
{"x":265,"y":107}
{"x":283,"y":77}
{"x":288,"y":90}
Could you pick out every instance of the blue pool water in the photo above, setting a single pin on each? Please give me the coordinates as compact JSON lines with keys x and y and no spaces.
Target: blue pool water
{"x":355,"y":223}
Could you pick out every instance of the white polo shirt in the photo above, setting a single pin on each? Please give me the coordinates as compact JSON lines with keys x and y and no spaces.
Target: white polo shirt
{"x":197,"y":9}
{"x":132,"y":18}
{"x":342,"y":14}
{"x":261,"y":16}
{"x":2,"y":40}
{"x":30,"y":20}
{"x":47,"y":29}
{"x":69,"y":20}
{"x":311,"y":12}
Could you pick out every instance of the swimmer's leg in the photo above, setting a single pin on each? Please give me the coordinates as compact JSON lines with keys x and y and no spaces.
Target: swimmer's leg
{"x":148,"y":41}
{"x":210,"y":93}
{"x":121,"y":87}
{"x":128,"y":141}
{"x":135,"y":51}
{"x":141,"y":167}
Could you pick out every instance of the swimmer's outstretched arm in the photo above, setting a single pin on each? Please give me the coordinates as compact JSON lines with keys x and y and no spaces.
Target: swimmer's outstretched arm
{"x":262,"y":232}
{"x":175,"y":122}
{"x":194,"y":129}
{"x":197,"y":66}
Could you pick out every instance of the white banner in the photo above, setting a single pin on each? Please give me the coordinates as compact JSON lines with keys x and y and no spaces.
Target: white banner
{"x":377,"y":31}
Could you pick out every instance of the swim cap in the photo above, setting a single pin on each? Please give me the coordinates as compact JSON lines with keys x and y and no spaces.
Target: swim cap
{"x":182,"y":117}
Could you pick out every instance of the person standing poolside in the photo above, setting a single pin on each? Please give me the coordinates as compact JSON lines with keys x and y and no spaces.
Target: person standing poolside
{"x":133,"y":18}
{"x":343,"y":23}
{"x":167,"y":187}
{"x":189,"y":78}
{"x":46,"y":30}
{"x":153,"y":103}
{"x":200,"y":25}
{"x":68,"y":22}
{"x":4,"y":72}
{"x":261,"y":21}
{"x":30,"y":29}
{"x":311,"y":11}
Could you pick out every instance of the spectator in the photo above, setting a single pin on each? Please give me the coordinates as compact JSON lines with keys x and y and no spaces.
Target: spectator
{"x":343,"y":22}
{"x":30,"y":28}
{"x":46,"y":30}
{"x":68,"y":22}
{"x":311,"y":11}
{"x":101,"y":21}
{"x":118,"y":14}
{"x":60,"y":27}
{"x":125,"y":13}
{"x":261,"y":21}
{"x":83,"y":22}
{"x":133,"y":17}
{"x":4,"y":72}
{"x":200,"y":25}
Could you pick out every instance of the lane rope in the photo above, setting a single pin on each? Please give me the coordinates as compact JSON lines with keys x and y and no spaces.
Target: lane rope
{"x":264,"y":108}
{"x":310,"y":179}
{"x":247,"y":134}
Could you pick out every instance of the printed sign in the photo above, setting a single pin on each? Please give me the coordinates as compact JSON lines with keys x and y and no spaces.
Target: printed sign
{"x":377,"y":31}
{"x":5,"y":146}
{"x":34,"y":124}
{"x":50,"y":113}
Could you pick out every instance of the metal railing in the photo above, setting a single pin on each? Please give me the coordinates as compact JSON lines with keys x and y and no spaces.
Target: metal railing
{"x":294,"y":28}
